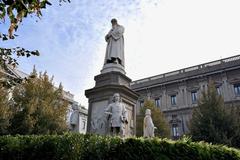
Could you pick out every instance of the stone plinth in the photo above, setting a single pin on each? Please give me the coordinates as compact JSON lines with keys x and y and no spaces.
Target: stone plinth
{"x":113,"y":67}
{"x":101,"y":95}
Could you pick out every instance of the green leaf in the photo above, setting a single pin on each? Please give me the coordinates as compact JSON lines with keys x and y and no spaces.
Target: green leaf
{"x":4,"y":38}
{"x":2,"y":11}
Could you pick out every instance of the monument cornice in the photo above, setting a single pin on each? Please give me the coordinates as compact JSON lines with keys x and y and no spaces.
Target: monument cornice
{"x":109,"y":74}
{"x":112,"y":87}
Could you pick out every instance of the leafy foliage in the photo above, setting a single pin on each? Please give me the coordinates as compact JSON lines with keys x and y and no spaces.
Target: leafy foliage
{"x":158,"y":118}
{"x":212,"y":122}
{"x":82,"y":147}
{"x":6,"y":55}
{"x":5,"y":112}
{"x":15,"y":11}
{"x":38,"y":107}
{"x":7,"y":80}
{"x":235,"y":112}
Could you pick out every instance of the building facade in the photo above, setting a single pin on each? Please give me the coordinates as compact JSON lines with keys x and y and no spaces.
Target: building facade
{"x":176,"y":93}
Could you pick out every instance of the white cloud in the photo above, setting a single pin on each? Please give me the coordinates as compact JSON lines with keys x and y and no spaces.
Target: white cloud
{"x":160,"y":36}
{"x":176,"y":34}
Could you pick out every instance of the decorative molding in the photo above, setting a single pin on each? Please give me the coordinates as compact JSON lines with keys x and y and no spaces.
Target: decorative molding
{"x":234,"y":80}
{"x":193,"y":88}
{"x":154,"y":96}
{"x":175,"y":121}
{"x":218,"y":83}
{"x":172,"y":92}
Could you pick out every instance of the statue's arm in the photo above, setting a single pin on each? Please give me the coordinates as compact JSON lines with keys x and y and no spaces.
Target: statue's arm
{"x":144,"y":123}
{"x":108,"y":35}
{"x":108,"y":110}
{"x":106,"y":38}
{"x":117,"y":33}
{"x":151,"y":122}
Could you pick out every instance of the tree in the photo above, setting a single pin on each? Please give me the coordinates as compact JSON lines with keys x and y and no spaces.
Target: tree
{"x":235,"y":119}
{"x":15,"y":11}
{"x":158,"y":118}
{"x":38,"y":107}
{"x":5,"y":112}
{"x":211,"y":121}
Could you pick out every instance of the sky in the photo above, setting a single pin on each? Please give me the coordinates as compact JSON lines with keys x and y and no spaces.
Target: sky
{"x":160,"y":36}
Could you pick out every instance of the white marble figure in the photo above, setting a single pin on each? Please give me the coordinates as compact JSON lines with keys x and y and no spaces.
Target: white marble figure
{"x":74,"y":119}
{"x":115,"y":44}
{"x":148,"y":126}
{"x":117,"y":115}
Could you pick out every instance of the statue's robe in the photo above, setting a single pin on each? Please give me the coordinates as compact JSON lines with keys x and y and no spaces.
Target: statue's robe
{"x":74,"y":120}
{"x":148,"y":127}
{"x":115,"y":46}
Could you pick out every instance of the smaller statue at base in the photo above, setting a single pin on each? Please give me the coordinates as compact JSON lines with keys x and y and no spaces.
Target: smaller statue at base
{"x":117,"y":115}
{"x":148,"y":126}
{"x":74,"y":119}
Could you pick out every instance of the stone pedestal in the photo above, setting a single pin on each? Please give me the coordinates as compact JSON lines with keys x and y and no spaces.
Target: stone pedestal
{"x":109,"y":67}
{"x":108,"y":83}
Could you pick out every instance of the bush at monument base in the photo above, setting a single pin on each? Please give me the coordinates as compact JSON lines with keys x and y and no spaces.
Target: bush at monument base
{"x":76,"y":146}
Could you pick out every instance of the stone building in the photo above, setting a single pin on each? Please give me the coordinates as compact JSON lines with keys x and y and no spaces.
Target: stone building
{"x":176,"y":93}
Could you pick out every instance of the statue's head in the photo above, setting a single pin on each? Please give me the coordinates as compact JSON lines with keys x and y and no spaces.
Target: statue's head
{"x":116,"y":97}
{"x":75,"y":106}
{"x":114,"y":22}
{"x":148,"y":112}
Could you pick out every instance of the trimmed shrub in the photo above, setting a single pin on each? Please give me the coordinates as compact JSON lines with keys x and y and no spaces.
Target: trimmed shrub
{"x":94,"y":147}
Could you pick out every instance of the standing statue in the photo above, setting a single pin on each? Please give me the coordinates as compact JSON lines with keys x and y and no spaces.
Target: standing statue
{"x":148,"y":126}
{"x":115,"y":44}
{"x":74,"y":118}
{"x":117,"y":114}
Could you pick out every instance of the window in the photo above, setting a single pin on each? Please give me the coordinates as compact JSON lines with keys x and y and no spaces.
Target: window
{"x":84,"y":125}
{"x":141,"y":103}
{"x":173,"y":100}
{"x":174,"y":117}
{"x":157,"y":102}
{"x":218,"y":90}
{"x":175,"y":130}
{"x":237,"y":89}
{"x":194,"y":96}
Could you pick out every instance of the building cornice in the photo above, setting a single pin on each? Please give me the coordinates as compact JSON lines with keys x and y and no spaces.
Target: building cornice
{"x":182,"y":75}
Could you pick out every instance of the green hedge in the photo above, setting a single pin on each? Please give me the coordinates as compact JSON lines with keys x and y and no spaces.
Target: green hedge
{"x":92,"y":147}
